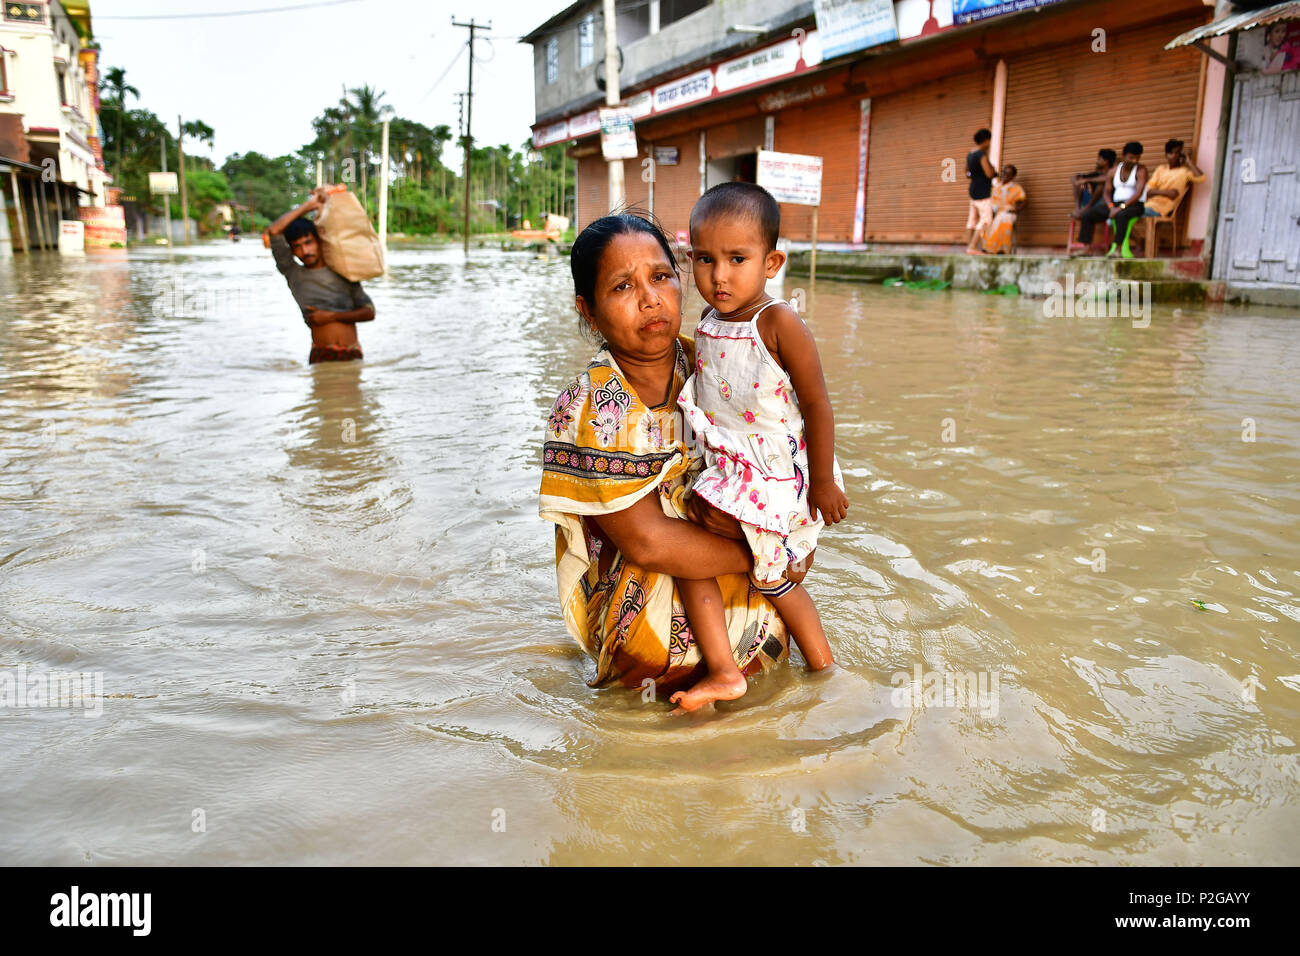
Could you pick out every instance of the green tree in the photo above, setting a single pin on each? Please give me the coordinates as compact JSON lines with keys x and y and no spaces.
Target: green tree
{"x":207,"y":188}
{"x":197,"y":129}
{"x":117,"y":88}
{"x":268,"y":186}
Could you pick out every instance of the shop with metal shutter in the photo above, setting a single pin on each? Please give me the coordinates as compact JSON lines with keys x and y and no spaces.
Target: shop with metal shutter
{"x":1066,"y":102}
{"x":828,"y":129}
{"x":916,"y":175}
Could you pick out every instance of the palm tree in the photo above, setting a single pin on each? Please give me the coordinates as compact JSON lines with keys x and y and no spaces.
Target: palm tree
{"x":197,"y":129}
{"x":366,"y":112}
{"x":117,"y":87}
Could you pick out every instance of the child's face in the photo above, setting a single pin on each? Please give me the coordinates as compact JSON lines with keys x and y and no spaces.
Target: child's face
{"x":731,"y":262}
{"x":638,"y":298}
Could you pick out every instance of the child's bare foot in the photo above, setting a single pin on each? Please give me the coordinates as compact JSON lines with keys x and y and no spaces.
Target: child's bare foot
{"x":708,"y":690}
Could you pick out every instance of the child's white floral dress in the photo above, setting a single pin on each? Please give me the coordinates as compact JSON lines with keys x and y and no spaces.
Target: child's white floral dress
{"x":746,"y":418}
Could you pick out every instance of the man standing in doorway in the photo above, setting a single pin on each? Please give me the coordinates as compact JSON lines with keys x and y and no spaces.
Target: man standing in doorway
{"x":331,"y":305}
{"x":980,"y":172}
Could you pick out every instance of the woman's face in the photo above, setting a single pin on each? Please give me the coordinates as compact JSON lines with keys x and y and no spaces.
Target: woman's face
{"x":1008,"y":174}
{"x":638,"y":298}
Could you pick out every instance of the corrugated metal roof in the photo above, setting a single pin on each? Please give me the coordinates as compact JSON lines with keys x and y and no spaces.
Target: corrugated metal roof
{"x":1238,"y":21}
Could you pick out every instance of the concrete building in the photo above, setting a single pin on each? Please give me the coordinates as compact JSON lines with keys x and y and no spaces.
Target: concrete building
{"x":1257,"y":237}
{"x":711,"y":83}
{"x":49,"y":120}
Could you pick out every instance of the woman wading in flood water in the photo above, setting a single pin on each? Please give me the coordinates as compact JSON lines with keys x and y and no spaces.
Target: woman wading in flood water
{"x":616,"y":468}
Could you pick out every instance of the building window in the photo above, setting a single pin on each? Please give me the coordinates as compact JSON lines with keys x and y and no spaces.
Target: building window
{"x":63,"y":88}
{"x":633,"y":24}
{"x":552,"y":60}
{"x":25,"y":12}
{"x":4,"y":75}
{"x":586,"y":40}
{"x":670,"y":11}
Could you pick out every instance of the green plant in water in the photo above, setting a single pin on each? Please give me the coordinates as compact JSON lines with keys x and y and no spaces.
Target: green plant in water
{"x":929,"y":285}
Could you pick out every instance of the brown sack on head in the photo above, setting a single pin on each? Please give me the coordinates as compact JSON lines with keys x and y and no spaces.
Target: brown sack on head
{"x":347,"y":241}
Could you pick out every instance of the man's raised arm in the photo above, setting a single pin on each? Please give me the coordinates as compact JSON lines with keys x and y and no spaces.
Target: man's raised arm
{"x":314,"y":202}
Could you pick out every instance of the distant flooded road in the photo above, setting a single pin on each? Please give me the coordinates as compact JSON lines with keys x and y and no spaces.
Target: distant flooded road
{"x":324,"y":614}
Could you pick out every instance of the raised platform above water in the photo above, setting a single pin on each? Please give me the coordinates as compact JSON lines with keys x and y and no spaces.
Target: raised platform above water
{"x":1170,"y":280}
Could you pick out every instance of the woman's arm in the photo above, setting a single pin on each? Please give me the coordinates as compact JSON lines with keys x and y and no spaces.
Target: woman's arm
{"x":792,"y":344}
{"x":651,"y":539}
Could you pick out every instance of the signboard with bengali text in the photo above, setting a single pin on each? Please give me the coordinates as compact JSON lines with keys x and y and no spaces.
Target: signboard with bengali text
{"x":551,"y":133}
{"x":667,"y":155}
{"x":617,"y":133}
{"x":584,"y":124}
{"x":754,"y":68}
{"x":791,"y":177}
{"x":684,"y":90}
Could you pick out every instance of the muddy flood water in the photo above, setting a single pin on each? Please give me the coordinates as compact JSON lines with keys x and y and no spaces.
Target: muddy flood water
{"x":317,"y":611}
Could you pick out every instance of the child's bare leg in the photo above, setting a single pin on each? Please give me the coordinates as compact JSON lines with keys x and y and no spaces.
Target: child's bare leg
{"x":703,"y":603}
{"x":797,"y":609}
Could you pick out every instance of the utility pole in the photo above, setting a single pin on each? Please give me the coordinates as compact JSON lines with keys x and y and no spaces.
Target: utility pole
{"x":167,"y":197}
{"x":185,"y":203}
{"x":383,"y":198}
{"x":612,"y":96}
{"x":469,"y":111}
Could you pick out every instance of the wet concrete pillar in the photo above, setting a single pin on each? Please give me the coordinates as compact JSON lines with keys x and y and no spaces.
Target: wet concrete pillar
{"x":18,"y":208}
{"x":6,"y":244}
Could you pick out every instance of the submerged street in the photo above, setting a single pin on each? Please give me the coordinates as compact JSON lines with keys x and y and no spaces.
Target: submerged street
{"x":324,"y":610}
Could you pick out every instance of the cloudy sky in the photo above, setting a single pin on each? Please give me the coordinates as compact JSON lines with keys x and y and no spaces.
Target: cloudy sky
{"x":258,"y":80}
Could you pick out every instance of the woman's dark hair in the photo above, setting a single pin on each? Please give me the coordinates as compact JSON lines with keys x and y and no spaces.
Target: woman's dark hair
{"x":589,"y":247}
{"x":981,"y":135}
{"x":1133,"y":147}
{"x":1173,"y":144}
{"x":1108,"y":155}
{"x":1014,"y":171}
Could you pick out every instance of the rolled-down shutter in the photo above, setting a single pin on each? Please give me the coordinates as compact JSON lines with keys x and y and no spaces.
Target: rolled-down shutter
{"x":1066,"y":102}
{"x":916,"y":173}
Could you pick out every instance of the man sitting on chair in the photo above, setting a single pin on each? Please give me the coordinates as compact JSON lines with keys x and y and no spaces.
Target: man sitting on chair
{"x":1169,"y":181}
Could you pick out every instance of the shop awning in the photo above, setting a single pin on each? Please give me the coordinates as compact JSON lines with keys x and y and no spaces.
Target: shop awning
{"x":1236,"y":23}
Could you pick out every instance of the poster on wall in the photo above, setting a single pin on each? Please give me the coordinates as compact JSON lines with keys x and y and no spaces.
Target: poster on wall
{"x":922,"y":18}
{"x":617,"y":134}
{"x":790,"y":177}
{"x":1274,"y":48}
{"x":968,"y":11}
{"x":846,"y":26}
{"x":1282,"y":47}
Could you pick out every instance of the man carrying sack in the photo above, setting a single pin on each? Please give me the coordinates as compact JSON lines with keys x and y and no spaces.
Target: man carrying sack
{"x":331,"y":305}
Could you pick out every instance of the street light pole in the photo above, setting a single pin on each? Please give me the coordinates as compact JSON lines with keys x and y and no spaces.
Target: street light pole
{"x":167,"y":197}
{"x":617,"y":193}
{"x":185,"y":203}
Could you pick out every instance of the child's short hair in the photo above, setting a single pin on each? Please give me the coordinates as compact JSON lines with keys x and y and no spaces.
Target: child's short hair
{"x":745,"y":200}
